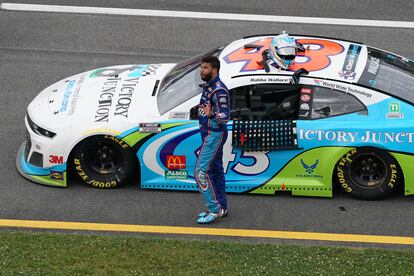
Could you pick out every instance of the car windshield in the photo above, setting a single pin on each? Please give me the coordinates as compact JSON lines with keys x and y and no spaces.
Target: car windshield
{"x":182,"y":82}
{"x":389,"y":73}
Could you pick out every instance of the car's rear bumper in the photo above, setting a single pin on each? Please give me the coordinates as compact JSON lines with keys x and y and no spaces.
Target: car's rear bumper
{"x":53,"y":176}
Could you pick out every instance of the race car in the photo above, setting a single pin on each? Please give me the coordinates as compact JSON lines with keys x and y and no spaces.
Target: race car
{"x":347,"y":121}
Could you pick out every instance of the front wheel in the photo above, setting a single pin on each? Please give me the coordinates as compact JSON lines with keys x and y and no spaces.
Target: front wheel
{"x":104,"y":162}
{"x":368,"y":173}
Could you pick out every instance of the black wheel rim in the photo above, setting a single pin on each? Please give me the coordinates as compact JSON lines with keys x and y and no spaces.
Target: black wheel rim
{"x":368,"y":170}
{"x":104,"y":158}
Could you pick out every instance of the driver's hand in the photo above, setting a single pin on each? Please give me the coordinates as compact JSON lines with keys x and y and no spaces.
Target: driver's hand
{"x":206,"y":109}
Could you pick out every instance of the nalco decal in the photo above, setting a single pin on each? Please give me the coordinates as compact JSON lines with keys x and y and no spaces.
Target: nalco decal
{"x":175,"y":162}
{"x":304,"y":106}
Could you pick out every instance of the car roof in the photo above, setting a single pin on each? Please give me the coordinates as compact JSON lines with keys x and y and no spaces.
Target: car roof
{"x":324,"y":57}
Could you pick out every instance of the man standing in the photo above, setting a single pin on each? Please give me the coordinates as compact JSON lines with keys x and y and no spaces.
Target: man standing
{"x":213,"y":115}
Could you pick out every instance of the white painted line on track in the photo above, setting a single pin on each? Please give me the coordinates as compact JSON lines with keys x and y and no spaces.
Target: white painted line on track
{"x":206,"y":15}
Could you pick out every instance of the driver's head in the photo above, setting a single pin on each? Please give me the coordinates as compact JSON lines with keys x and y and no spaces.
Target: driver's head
{"x":209,"y":68}
{"x":282,"y":50}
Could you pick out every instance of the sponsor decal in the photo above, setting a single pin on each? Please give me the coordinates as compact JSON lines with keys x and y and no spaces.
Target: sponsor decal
{"x":66,"y":95}
{"x":304,"y":106}
{"x":356,"y":137}
{"x":88,"y":180}
{"x":221,"y":115}
{"x":309,"y":169}
{"x":142,"y":70}
{"x":122,"y":143}
{"x":179,"y":115}
{"x":394,"y":175}
{"x":75,"y":96}
{"x":201,"y":111}
{"x":305,"y":98}
{"x":317,"y":82}
{"x":351,"y":59}
{"x":271,"y":79}
{"x":105,"y":100}
{"x":150,"y":127}
{"x":394,"y":111}
{"x":340,"y":170}
{"x":56,"y":175}
{"x":101,"y":130}
{"x":176,"y":175}
{"x":345,"y":88}
{"x":175,"y":162}
{"x":55,"y":159}
{"x":373,"y":65}
{"x":109,"y":92}
{"x":112,"y":71}
{"x":306,"y":91}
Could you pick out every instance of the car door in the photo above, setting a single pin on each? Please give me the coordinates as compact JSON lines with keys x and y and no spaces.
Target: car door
{"x":262,"y":134}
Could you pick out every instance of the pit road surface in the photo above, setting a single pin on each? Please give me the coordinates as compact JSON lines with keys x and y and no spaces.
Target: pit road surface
{"x":38,"y":49}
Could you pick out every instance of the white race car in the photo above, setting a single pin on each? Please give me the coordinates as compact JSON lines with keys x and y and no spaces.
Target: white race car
{"x":350,"y":119}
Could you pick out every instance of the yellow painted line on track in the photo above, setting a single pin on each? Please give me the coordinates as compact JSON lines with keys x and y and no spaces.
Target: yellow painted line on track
{"x":61,"y":225}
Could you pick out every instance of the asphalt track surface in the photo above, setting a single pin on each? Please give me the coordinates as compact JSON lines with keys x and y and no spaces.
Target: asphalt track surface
{"x":37,"y":49}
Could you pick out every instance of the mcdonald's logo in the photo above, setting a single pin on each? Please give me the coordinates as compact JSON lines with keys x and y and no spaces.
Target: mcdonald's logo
{"x":176,"y":162}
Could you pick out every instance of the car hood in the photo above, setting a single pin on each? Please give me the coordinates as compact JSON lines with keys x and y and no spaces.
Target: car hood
{"x":116,"y":94}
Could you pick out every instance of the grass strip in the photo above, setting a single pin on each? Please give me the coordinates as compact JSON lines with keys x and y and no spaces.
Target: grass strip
{"x":40,"y":253}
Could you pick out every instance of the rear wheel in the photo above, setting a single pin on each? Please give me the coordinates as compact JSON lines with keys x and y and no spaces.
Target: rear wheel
{"x":104,"y":162}
{"x":368,"y":173}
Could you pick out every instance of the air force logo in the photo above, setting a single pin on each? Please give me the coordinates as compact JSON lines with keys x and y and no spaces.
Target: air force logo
{"x":309,"y":169}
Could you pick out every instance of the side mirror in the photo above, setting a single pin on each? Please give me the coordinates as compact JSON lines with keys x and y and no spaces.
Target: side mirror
{"x":194,"y":113}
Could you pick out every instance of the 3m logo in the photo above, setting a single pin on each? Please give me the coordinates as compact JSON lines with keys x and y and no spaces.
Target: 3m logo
{"x":54,"y":159}
{"x":176,"y":162}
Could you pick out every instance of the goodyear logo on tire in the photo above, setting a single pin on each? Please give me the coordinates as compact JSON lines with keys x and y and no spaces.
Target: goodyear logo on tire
{"x":176,"y":175}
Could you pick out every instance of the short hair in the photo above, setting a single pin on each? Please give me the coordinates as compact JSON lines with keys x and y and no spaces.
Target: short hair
{"x":214,"y":61}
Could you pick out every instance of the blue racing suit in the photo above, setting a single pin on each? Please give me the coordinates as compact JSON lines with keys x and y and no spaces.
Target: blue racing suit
{"x":209,"y":172}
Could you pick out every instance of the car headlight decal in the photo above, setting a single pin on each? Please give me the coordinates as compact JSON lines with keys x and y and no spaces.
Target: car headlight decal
{"x":38,"y":130}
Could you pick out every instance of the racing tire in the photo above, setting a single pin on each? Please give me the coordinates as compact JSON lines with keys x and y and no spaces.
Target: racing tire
{"x":104,"y":162}
{"x":368,"y":173}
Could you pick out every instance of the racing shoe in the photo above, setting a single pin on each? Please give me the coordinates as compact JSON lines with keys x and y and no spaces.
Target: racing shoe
{"x":210,"y":217}
{"x":205,"y":213}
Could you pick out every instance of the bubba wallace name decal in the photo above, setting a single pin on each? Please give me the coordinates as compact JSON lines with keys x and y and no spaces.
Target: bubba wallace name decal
{"x":364,"y":137}
{"x":108,"y":93}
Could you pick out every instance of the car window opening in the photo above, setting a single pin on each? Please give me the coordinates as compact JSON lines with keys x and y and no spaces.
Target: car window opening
{"x":265,"y":102}
{"x":182,"y":82}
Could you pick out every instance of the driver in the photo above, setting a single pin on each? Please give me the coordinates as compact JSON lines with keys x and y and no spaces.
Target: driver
{"x":282,"y":50}
{"x":213,"y":117}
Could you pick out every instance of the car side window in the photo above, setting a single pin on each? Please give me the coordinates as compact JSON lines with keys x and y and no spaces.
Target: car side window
{"x":265,"y":102}
{"x":328,"y":102}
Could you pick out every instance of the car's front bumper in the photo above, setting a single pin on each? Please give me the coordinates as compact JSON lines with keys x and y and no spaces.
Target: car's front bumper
{"x":52,"y":176}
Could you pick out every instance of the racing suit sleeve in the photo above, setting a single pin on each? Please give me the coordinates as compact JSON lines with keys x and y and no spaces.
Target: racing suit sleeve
{"x":221,"y":110}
